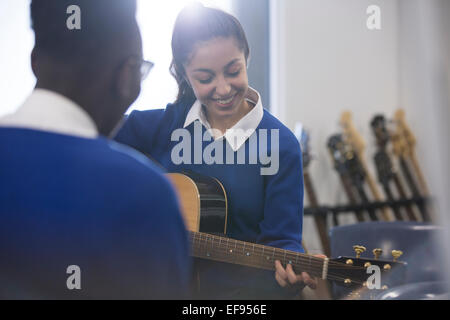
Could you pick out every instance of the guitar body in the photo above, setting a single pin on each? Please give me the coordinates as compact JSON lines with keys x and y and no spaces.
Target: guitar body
{"x":203,"y":202}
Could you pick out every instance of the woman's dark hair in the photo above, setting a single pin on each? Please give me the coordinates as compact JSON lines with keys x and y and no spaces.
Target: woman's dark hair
{"x":194,"y":24}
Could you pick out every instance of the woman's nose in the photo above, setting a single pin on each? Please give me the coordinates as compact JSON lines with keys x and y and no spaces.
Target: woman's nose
{"x":223,"y":88}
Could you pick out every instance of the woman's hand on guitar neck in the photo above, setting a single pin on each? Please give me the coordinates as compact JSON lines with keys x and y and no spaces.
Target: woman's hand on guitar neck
{"x":287,"y":278}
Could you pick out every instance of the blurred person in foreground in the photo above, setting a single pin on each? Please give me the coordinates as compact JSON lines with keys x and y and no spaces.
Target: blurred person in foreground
{"x":82,"y":217}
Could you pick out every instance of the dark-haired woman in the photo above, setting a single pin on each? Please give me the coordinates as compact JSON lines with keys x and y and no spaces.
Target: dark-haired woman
{"x":265,"y":200}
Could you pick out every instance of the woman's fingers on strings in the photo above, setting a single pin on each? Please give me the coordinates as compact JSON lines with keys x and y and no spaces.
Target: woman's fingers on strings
{"x":280,"y":281}
{"x":310,"y":282}
{"x":292,"y":277}
{"x":287,"y":277}
{"x":280,"y":274}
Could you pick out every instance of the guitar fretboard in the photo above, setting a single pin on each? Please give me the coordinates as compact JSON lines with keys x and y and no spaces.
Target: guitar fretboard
{"x":223,"y":249}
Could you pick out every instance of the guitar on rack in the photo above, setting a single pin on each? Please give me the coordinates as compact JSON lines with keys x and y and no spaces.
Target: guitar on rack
{"x":336,"y":148}
{"x":320,"y":220}
{"x":410,"y":140}
{"x":204,"y":206}
{"x":403,"y":141}
{"x":385,"y":170}
{"x":352,"y":137}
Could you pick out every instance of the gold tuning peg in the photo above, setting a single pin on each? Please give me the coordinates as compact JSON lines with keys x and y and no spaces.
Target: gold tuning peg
{"x":396,"y":254}
{"x":359,"y":249}
{"x":377,"y":253}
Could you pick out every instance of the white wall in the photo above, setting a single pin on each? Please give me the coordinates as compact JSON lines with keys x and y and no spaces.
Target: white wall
{"x":327,"y":61}
{"x":425,"y":94}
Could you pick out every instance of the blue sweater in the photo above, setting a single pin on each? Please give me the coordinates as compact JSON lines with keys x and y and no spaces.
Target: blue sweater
{"x":265,"y":209}
{"x":92,"y":203}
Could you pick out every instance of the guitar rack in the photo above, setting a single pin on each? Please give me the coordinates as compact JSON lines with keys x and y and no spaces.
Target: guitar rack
{"x":373,"y":205}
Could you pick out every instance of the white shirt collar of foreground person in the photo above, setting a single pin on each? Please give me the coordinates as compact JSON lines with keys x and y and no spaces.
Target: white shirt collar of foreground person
{"x":45,"y":110}
{"x":247,"y":125}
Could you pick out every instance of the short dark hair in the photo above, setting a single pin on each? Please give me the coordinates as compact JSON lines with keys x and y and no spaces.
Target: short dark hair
{"x":197,"y":23}
{"x":100,"y":21}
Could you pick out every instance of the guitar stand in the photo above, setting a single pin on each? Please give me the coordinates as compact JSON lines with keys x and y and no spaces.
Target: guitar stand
{"x":335,"y":211}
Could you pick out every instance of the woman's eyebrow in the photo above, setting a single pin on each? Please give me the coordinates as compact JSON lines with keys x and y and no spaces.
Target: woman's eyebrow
{"x":231,"y":63}
{"x":211,"y":72}
{"x":203,"y":70}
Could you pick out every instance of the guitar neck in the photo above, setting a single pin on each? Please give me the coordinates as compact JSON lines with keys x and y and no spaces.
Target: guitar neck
{"x":414,"y":189}
{"x":390,"y":197}
{"x":346,"y":183}
{"x":212,"y":247}
{"x":402,"y":194}
{"x":373,"y":188}
{"x":419,"y":174}
{"x":321,"y":221}
{"x":310,"y":192}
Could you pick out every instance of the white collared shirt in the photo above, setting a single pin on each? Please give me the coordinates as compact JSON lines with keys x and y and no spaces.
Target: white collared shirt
{"x":242,"y":130}
{"x":49,"y":111}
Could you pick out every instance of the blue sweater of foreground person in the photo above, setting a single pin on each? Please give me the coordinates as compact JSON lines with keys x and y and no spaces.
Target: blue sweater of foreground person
{"x":90,"y":203}
{"x":264,"y":209}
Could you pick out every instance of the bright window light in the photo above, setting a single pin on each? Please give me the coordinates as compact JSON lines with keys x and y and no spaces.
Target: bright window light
{"x":156,"y":19}
{"x":16,"y":42}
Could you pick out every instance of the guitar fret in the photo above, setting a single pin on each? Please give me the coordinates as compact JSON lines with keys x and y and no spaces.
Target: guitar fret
{"x":208,"y":254}
{"x":309,"y":267}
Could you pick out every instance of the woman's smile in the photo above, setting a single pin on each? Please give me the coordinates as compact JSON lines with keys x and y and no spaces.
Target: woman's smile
{"x":225,"y":102}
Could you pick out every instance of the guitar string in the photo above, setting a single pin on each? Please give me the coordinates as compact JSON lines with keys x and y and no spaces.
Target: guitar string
{"x":290,"y":254}
{"x":276,"y":252}
{"x":318,"y":265}
{"x":240,"y":245}
{"x":269,"y":266}
{"x":213,"y":249}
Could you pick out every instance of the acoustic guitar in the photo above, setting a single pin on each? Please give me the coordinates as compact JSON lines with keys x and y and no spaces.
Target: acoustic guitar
{"x":203,"y":203}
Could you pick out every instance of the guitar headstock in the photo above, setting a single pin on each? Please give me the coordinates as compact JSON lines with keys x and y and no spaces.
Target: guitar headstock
{"x":380,"y":130}
{"x":384,"y":167}
{"x":336,"y":147}
{"x":357,"y":270}
{"x":345,"y":158}
{"x":404,"y":129}
{"x":303,"y":137}
{"x":400,"y":145}
{"x":351,"y":135}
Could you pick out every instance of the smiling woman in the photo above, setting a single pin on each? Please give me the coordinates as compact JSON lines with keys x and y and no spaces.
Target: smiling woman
{"x":217,"y":73}
{"x":210,"y":55}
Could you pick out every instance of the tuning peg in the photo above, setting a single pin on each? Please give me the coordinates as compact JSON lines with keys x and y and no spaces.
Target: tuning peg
{"x":359,"y":249}
{"x":377,"y":253}
{"x":396,"y":254}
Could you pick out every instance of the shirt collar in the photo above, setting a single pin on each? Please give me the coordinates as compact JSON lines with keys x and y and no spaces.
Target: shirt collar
{"x":46,"y":110}
{"x":242,"y":130}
